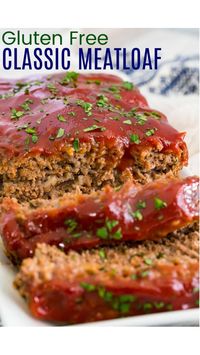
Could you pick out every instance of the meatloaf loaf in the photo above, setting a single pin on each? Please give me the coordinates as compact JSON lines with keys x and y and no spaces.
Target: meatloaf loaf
{"x":71,"y":131}
{"x":151,"y":276}
{"x":101,"y":218}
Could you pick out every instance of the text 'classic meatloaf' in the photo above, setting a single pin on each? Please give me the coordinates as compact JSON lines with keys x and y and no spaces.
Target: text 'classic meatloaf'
{"x":68,"y":131}
{"x":107,"y":217}
{"x":112,"y":282}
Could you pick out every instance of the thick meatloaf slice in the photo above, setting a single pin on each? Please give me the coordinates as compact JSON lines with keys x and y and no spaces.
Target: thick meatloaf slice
{"x":112,"y":282}
{"x":107,"y":217}
{"x":72,"y":131}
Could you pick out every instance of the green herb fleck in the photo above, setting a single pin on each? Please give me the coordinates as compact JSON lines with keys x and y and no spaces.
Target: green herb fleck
{"x":137,"y":215}
{"x":148,"y":261}
{"x":141,"y":118}
{"x":127,"y":122}
{"x":102,"y":233}
{"x":88,"y":287}
{"x":102,"y":254}
{"x":150,"y":132}
{"x":72,"y":113}
{"x":117,"y":235}
{"x":52,"y":88}
{"x":102,"y":101}
{"x":15,"y":115}
{"x":71,"y":225}
{"x":144,"y":273}
{"x":93,"y":81}
{"x":93,"y":128}
{"x":61,"y":118}
{"x":147,"y":306}
{"x":158,"y":203}
{"x":76,"y":144}
{"x":26,"y":104}
{"x":34,"y":138}
{"x":60,"y":133}
{"x":127,"y":85}
{"x":141,"y":204}
{"x":155,"y":114}
{"x":30,"y":130}
{"x":134,"y":138}
{"x":159,"y":305}
{"x":110,"y":224}
{"x":70,"y":77}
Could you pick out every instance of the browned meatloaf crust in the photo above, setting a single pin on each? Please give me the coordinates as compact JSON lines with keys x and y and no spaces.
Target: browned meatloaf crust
{"x":103,"y":218}
{"x":73,"y":131}
{"x":112,"y":282}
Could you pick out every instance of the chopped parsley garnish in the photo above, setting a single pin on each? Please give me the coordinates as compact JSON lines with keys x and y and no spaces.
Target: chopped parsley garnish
{"x":15,"y":114}
{"x":26,"y":104}
{"x":114,"y":118}
{"x":102,"y":101}
{"x":155,"y":114}
{"x":102,"y":233}
{"x":148,"y":261}
{"x":121,"y":303}
{"x":93,"y":81}
{"x":117,"y":235}
{"x":88,"y":287}
{"x":22,"y":127}
{"x":102,"y":254}
{"x":106,"y":232}
{"x":159,"y":305}
{"x":60,"y":133}
{"x":147,"y":306}
{"x":114,"y":89}
{"x":71,"y":113}
{"x":44,"y":101}
{"x":137,"y":215}
{"x":34,"y":138}
{"x":144,"y":273}
{"x":52,"y":88}
{"x":127,"y":85}
{"x":141,"y":118}
{"x":117,"y":96}
{"x":76,"y":144}
{"x":141,"y":204}
{"x":127,"y":122}
{"x":150,"y":132}
{"x":110,"y":224}
{"x":134,"y":138}
{"x":30,"y":130}
{"x":87,"y":106}
{"x":70,"y":77}
{"x":195,"y":289}
{"x":158,"y":203}
{"x":71,"y":225}
{"x":61,"y":118}
{"x":93,"y":128}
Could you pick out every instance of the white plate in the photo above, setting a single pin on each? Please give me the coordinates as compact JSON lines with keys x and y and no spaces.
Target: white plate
{"x":14,"y":312}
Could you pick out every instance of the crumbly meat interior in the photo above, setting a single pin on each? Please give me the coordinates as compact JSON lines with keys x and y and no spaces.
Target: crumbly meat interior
{"x":85,"y":171}
{"x":179,"y":248}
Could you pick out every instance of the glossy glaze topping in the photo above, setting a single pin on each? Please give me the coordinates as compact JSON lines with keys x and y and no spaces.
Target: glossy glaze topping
{"x":111,"y":282}
{"x":41,"y":115}
{"x":150,"y":212}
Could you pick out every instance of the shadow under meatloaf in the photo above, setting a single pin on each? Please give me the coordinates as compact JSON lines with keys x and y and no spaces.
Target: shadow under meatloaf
{"x":74,"y":132}
{"x":149,"y":277}
{"x":103,"y":218}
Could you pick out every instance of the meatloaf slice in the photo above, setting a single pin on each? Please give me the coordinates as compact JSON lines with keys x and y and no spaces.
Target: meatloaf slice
{"x":151,"y":276}
{"x":72,"y":131}
{"x":107,"y":217}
